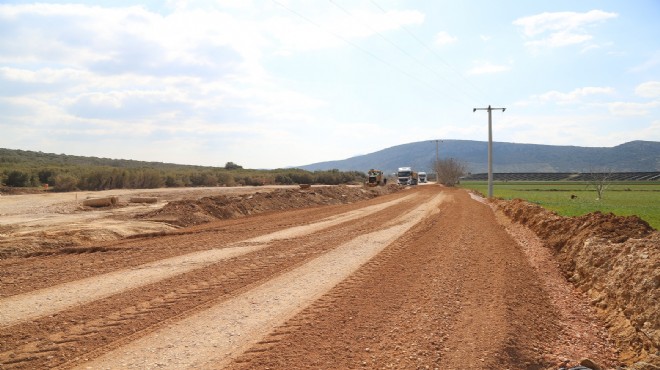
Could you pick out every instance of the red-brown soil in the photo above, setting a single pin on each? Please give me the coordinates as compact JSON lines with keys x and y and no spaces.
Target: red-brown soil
{"x":615,"y":261}
{"x":420,"y":278}
{"x":188,"y":213}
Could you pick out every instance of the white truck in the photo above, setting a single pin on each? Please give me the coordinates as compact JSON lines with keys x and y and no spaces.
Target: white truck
{"x":422,"y":177}
{"x":406,"y":176}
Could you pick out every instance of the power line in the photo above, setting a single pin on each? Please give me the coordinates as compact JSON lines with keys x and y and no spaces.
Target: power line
{"x":436,"y":55}
{"x":367,"y":52}
{"x":399,"y":48}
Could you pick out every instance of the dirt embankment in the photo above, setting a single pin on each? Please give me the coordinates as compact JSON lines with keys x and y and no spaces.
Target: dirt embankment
{"x":50,"y":223}
{"x":615,"y":261}
{"x":188,"y":213}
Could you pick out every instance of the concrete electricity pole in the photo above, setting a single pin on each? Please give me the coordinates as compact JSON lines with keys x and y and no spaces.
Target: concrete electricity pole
{"x":490,"y":146}
{"x":437,"y":157}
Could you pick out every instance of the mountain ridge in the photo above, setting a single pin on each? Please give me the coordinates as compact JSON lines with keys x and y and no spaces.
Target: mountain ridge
{"x":633,"y":156}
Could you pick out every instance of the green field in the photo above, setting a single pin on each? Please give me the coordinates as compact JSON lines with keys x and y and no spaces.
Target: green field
{"x":621,"y":198}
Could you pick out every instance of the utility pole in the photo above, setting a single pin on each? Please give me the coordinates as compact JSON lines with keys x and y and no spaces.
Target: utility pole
{"x":436,"y":166}
{"x":490,"y":146}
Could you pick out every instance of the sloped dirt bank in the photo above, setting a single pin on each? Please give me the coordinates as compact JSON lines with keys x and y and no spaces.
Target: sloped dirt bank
{"x":188,"y":213}
{"x":52,"y":223}
{"x":616,"y":262}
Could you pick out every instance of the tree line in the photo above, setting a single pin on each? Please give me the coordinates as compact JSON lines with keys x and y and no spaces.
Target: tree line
{"x":70,"y":173}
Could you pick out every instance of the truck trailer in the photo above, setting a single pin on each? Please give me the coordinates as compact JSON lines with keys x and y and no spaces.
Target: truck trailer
{"x":406,"y":176}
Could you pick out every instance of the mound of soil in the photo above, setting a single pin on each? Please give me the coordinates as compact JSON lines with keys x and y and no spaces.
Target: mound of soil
{"x":9,"y":190}
{"x":188,"y":213}
{"x":616,"y":261}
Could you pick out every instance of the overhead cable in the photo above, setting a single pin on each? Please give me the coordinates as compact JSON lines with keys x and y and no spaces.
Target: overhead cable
{"x":436,"y":54}
{"x":367,"y":52}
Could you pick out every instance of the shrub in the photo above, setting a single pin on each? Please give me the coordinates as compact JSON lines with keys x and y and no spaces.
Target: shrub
{"x":65,"y":182}
{"x":18,"y":179}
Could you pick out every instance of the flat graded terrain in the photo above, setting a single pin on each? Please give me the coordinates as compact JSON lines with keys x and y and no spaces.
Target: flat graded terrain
{"x":426,"y":277}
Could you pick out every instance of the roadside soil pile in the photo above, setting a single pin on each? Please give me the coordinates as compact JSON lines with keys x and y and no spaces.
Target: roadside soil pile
{"x":615,"y":261}
{"x":8,"y":190}
{"x":188,"y":213}
{"x":39,"y":222}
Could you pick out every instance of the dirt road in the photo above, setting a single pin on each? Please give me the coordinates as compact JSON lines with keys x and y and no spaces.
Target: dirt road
{"x":422,"y":278}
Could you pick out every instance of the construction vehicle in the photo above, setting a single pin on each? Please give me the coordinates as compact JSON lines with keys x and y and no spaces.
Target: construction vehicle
{"x":406,"y":176}
{"x":375,"y":178}
{"x":422,"y":177}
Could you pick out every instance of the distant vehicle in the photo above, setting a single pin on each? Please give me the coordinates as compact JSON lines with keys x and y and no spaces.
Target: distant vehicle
{"x":406,"y":176}
{"x":376,"y":178}
{"x":422,"y":177}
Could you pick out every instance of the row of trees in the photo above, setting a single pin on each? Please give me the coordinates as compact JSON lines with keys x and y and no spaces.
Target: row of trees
{"x":72,"y":178}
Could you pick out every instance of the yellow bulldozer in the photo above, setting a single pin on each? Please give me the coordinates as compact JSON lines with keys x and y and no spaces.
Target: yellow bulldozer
{"x":375,"y":178}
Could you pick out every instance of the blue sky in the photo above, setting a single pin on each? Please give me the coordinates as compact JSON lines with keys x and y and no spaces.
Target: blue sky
{"x":269,"y":84}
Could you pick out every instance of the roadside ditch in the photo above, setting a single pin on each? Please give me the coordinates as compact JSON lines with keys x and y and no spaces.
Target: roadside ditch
{"x":615,"y":261}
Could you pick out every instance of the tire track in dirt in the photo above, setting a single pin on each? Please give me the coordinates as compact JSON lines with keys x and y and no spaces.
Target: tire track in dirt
{"x":48,"y":301}
{"x":222,"y":331}
{"x":49,"y":270}
{"x":94,"y":328}
{"x":454,"y":293}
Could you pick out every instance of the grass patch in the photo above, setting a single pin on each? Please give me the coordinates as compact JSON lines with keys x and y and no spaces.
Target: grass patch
{"x":621,"y":198}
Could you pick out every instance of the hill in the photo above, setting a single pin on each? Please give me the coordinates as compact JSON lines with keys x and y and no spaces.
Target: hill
{"x":11,"y":158}
{"x":634,"y":156}
{"x":29,"y":169}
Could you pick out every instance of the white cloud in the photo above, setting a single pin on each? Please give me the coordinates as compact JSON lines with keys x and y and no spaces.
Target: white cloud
{"x":560,"y":28}
{"x":548,"y":129}
{"x":333,"y":29}
{"x":649,"y":89}
{"x":650,"y":132}
{"x":595,"y":129}
{"x":653,"y":61}
{"x":574,"y":96}
{"x":485,"y":38}
{"x":632,"y":109}
{"x":484,"y":67}
{"x":444,"y":38}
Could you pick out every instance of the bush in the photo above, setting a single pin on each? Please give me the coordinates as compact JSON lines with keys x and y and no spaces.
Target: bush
{"x":232,"y":166}
{"x":47,"y":176}
{"x":65,"y":182}
{"x":204,"y":179}
{"x":225,"y":179}
{"x":283,"y":180}
{"x":174,"y":182}
{"x":18,"y":179}
{"x":302,"y":178}
{"x":250,"y":181}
